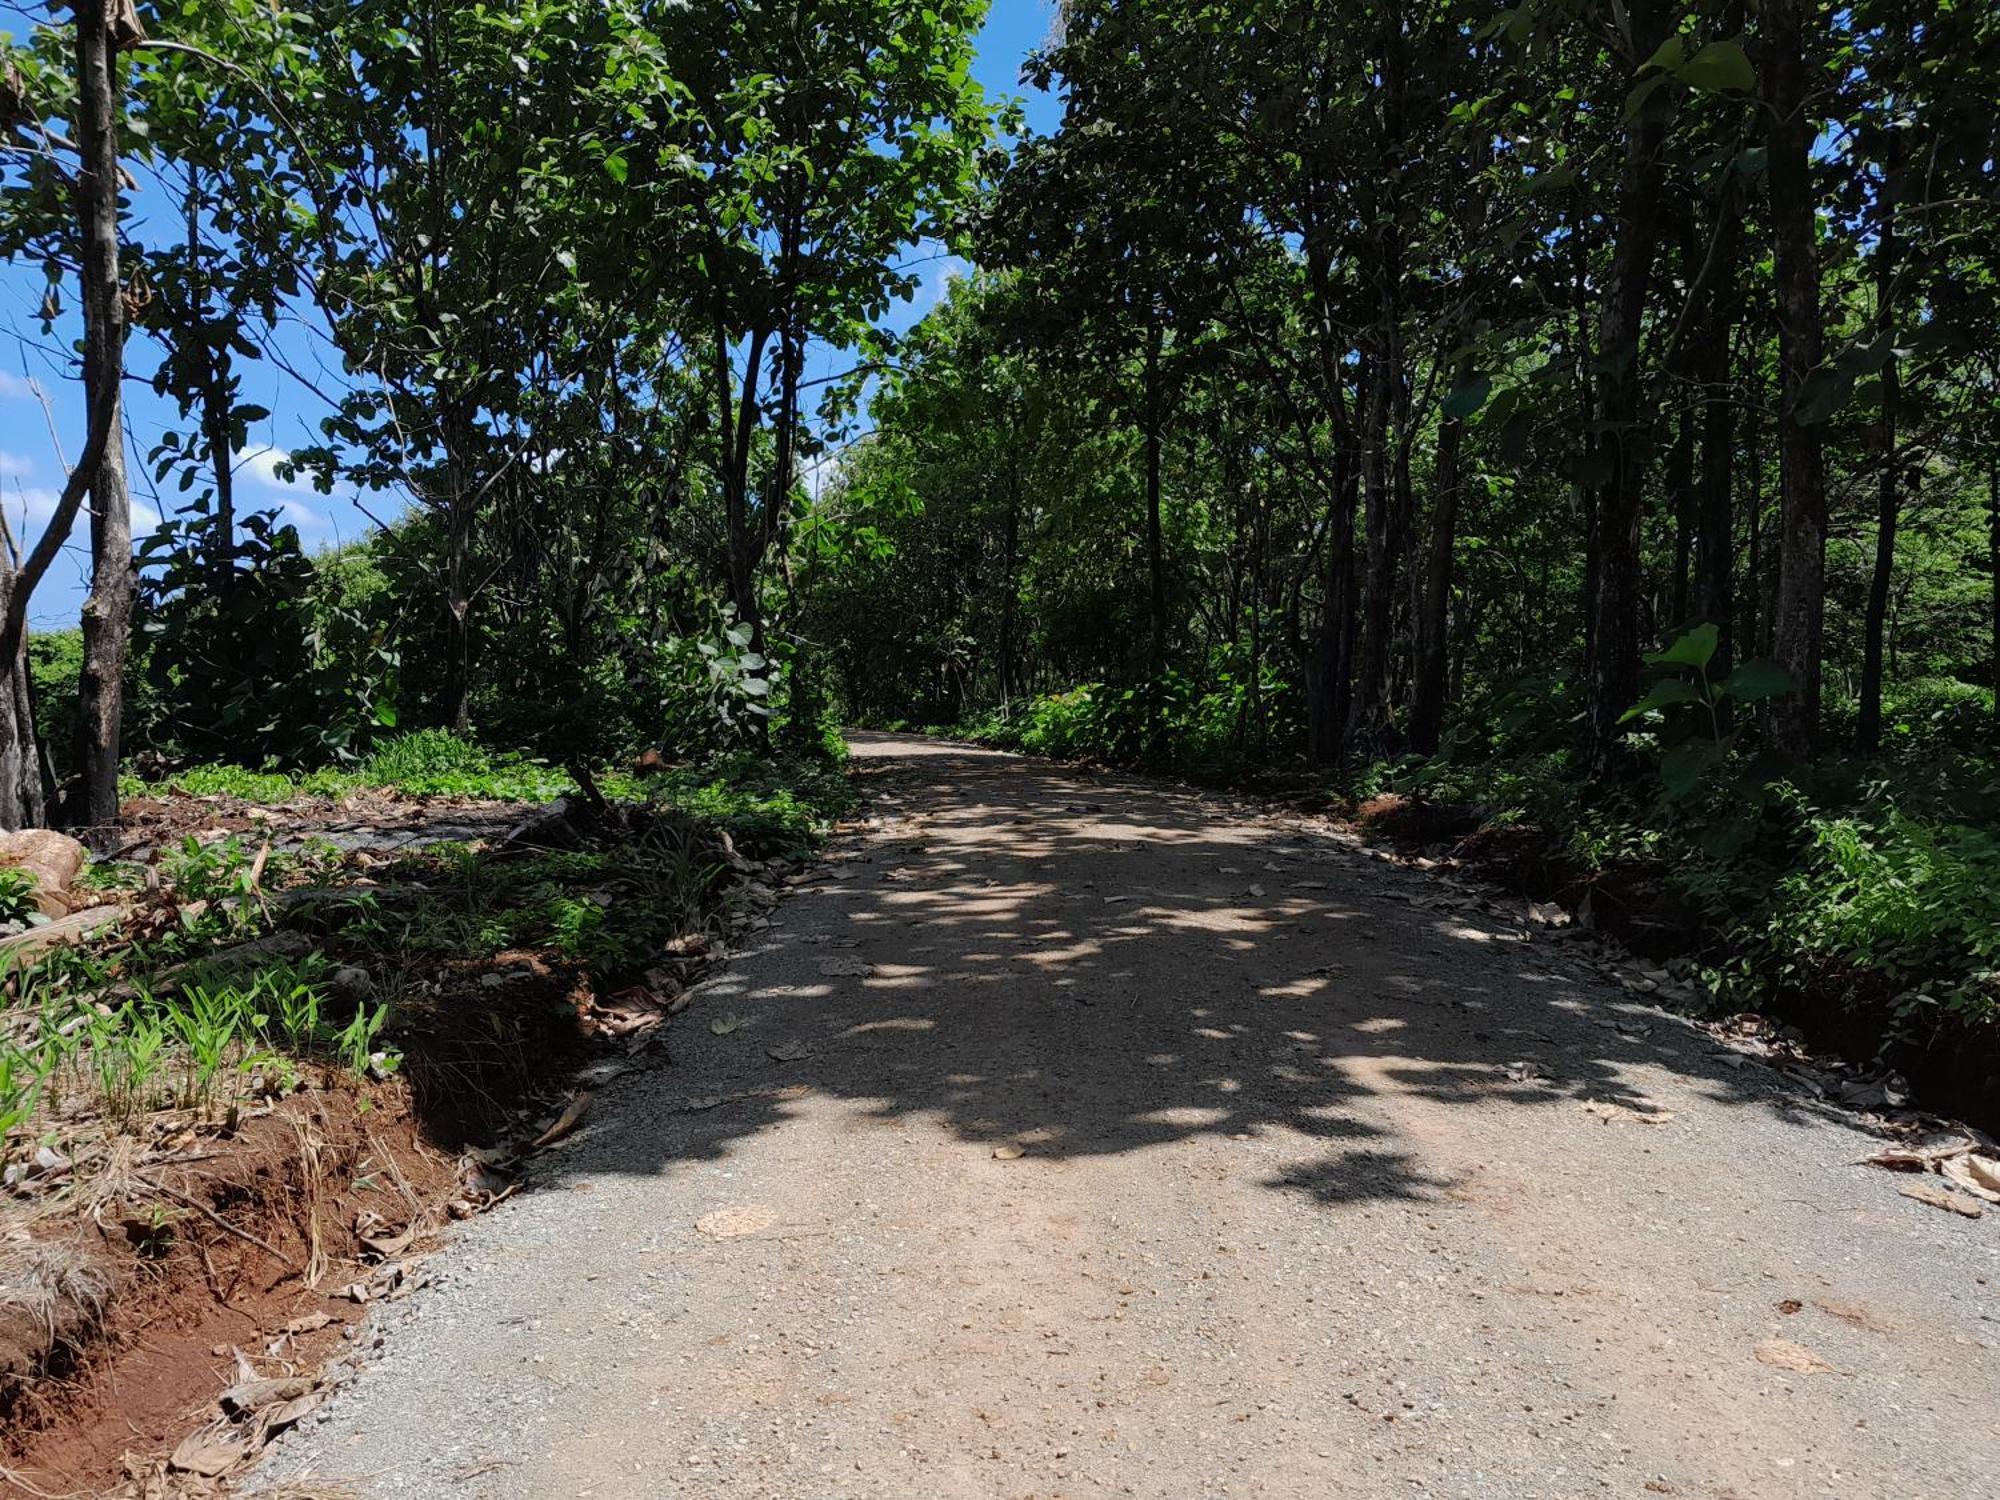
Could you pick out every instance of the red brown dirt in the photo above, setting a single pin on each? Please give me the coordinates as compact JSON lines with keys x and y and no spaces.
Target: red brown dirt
{"x":183,"y":1292}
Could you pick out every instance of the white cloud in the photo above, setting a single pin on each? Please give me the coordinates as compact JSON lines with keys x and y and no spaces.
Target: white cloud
{"x":31,"y":506}
{"x":14,"y":388}
{"x":949,"y":270}
{"x":13,"y":466}
{"x":301,"y":515}
{"x":262,"y":465}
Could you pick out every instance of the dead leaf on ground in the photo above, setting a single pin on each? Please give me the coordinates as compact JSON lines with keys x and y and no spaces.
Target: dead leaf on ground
{"x":723,"y":1025}
{"x":846,"y":968}
{"x":1008,"y":1152}
{"x":1524,"y":1072}
{"x":287,"y":1413}
{"x":310,"y":1323}
{"x":1611,"y":1113}
{"x":252,"y":1396}
{"x":564,"y":1123}
{"x":209,"y":1453}
{"x":1944,"y":1198}
{"x":375,"y":1232}
{"x":737,"y":1222}
{"x":792,"y":1051}
{"x":1978,"y":1175}
{"x":1783,"y":1354}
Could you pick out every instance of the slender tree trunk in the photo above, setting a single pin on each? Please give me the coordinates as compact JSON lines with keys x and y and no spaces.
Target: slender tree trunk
{"x":1156,"y":568}
{"x":1888,"y":507}
{"x":1368,"y":715}
{"x":1010,"y":593}
{"x":23,"y":803}
{"x":107,"y":613}
{"x":1328,"y":677}
{"x":1714,"y":597}
{"x":1993,"y":564}
{"x":1798,"y":629}
{"x":1622,"y":440}
{"x":1328,"y":691}
{"x":1434,"y":603}
{"x":215,"y":421}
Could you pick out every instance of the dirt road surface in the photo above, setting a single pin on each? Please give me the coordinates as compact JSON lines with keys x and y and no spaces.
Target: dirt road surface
{"x":1320,"y":1191}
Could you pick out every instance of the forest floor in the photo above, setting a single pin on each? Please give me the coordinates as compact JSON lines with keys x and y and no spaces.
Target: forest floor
{"x":1079,"y":1135}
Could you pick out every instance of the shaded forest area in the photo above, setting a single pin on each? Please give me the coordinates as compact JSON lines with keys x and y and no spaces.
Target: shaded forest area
{"x":1563,"y":438}
{"x":1571,"y":429}
{"x":1582,"y":418}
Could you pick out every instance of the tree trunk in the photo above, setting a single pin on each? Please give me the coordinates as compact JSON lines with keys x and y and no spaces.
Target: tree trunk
{"x":1328,"y":682}
{"x":1993,"y":562}
{"x":1434,"y":603}
{"x":1620,"y":459}
{"x":1010,"y":594}
{"x":1714,"y":597}
{"x":1368,"y":716}
{"x":22,"y":800}
{"x":1156,"y":572}
{"x":1798,"y":628}
{"x":107,"y":613}
{"x":1888,"y":508}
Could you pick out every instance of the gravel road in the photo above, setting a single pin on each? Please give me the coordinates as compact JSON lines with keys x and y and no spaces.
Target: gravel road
{"x":1121,"y":1140}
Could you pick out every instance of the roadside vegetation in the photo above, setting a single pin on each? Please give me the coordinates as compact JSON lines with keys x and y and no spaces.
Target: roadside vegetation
{"x":1576,"y":427}
{"x":1564,"y":439}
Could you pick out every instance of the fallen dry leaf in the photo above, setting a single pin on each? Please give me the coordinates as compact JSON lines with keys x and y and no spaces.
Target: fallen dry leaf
{"x":1622,"y":1114}
{"x":735,"y":1223}
{"x":846,"y":968}
{"x":254,"y":1395}
{"x":209,"y":1453}
{"x":310,"y":1323}
{"x":1984,"y":1170}
{"x":792,"y":1051}
{"x":1783,"y":1354}
{"x":1958,"y":1171}
{"x":1008,"y":1152}
{"x":288,"y":1412}
{"x":723,"y":1025}
{"x":1944,"y":1198}
{"x":564,"y":1123}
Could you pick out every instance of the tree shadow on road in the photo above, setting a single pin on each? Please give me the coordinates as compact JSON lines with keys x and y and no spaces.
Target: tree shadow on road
{"x":1090,"y":965}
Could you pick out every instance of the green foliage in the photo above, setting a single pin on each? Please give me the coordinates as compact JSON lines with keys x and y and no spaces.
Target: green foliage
{"x":17,"y":895}
{"x":264,"y":657}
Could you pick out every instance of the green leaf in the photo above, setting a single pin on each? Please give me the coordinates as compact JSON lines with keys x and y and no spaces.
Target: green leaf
{"x":1755,"y":681}
{"x":615,"y":167}
{"x":1695,"y":649}
{"x":1667,"y":55}
{"x":1684,"y":767}
{"x":1719,"y":68}
{"x":1636,"y":100}
{"x":1665,"y":693}
{"x":1467,"y":399}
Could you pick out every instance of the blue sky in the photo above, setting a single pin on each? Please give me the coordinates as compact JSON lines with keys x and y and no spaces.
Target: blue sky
{"x":33,"y":437}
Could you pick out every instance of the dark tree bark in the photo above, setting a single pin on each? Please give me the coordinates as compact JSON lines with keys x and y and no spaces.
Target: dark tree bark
{"x":1368,"y":717}
{"x":1889,"y":502}
{"x":1328,"y":685}
{"x":1010,"y":592}
{"x":1156,"y":566}
{"x":1714,"y":596}
{"x":1798,"y":629}
{"x":1434,"y":602}
{"x":107,"y":613}
{"x":1620,"y":456}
